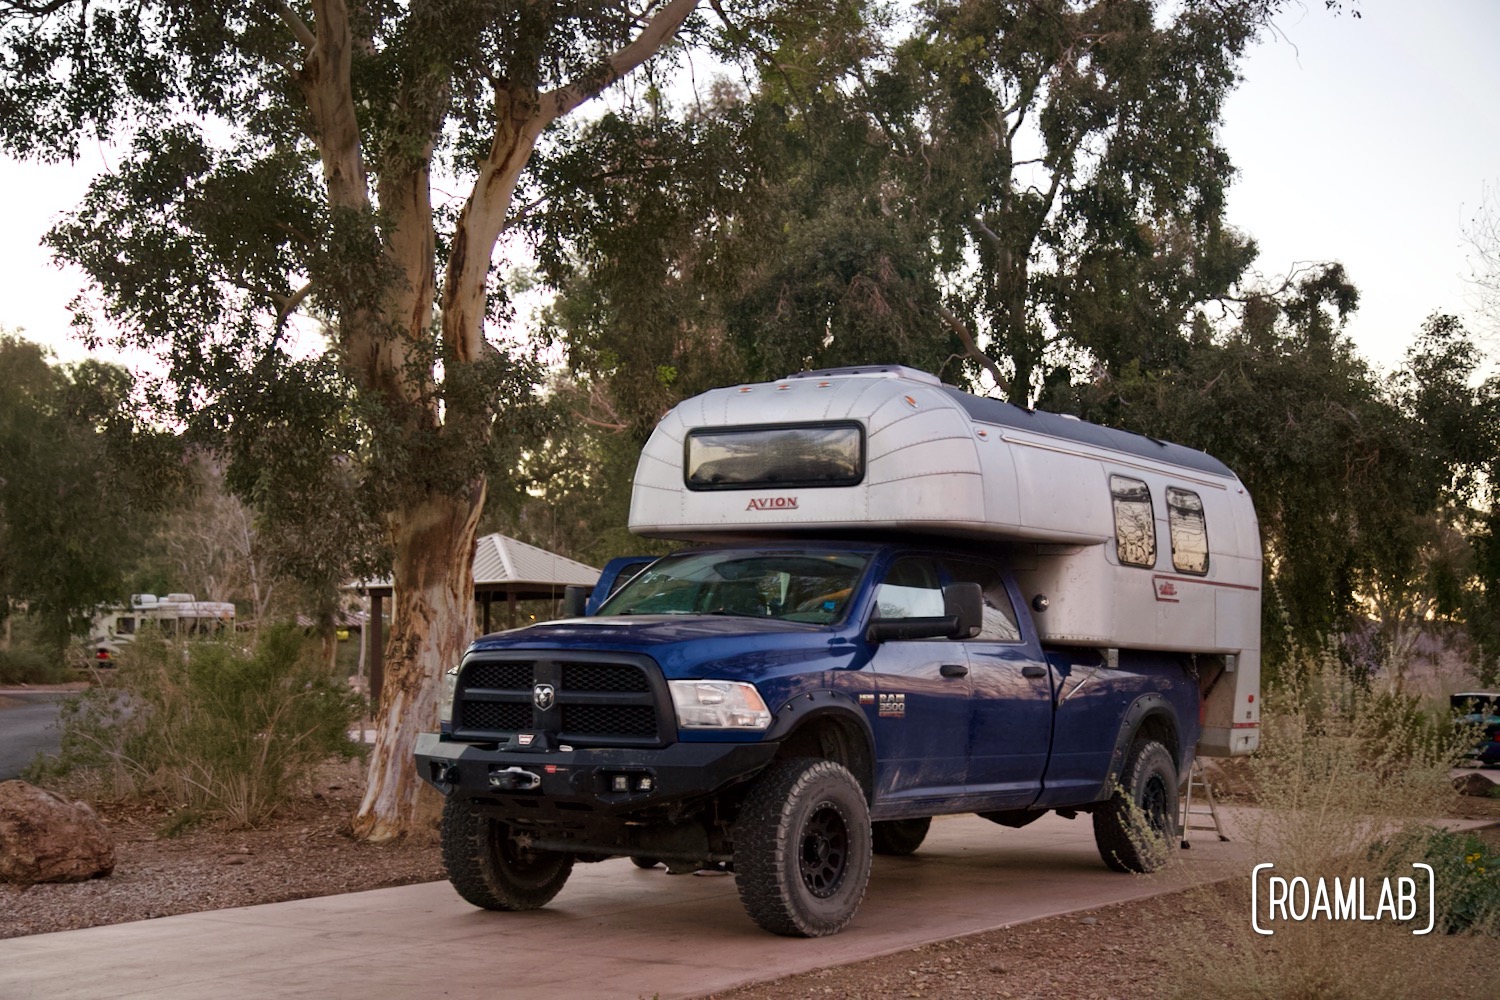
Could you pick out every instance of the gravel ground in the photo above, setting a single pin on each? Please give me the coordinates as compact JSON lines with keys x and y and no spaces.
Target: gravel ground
{"x":307,"y":852}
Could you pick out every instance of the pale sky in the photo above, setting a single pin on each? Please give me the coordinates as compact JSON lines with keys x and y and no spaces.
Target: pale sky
{"x":1369,"y":141}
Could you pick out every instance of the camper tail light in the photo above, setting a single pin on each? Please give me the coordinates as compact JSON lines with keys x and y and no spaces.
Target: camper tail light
{"x":445,"y":698}
{"x":719,"y":705}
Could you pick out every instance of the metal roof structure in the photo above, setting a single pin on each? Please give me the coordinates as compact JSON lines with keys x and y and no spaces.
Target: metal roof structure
{"x":505,"y":567}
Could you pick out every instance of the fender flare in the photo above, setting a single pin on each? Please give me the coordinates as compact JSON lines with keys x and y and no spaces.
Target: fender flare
{"x":807,"y":707}
{"x":1147,"y":706}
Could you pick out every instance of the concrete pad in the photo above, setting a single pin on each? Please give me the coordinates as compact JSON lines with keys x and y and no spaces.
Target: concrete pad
{"x":614,"y":931}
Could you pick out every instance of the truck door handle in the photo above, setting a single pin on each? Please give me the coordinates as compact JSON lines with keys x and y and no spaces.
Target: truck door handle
{"x":953,"y":670}
{"x":1032,"y":670}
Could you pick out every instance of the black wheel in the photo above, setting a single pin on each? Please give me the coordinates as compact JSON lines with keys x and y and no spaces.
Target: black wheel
{"x":900,"y":837}
{"x":645,"y":862}
{"x":492,"y":871}
{"x":802,"y":848}
{"x":1136,"y":827}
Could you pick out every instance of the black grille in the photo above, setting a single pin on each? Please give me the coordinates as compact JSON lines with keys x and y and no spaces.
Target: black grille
{"x":596,"y":702}
{"x":504,"y":676}
{"x":496,"y":715}
{"x":608,"y":720}
{"x":621,"y":678}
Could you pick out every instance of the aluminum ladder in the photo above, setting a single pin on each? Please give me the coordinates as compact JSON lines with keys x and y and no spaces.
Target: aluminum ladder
{"x":1207,"y":818}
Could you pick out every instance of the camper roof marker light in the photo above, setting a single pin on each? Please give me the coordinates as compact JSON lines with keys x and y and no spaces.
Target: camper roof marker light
{"x":746,"y":388}
{"x":782,"y":388}
{"x":910,"y":402}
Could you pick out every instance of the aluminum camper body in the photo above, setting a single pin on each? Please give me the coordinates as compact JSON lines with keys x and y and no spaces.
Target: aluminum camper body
{"x":1118,"y":541}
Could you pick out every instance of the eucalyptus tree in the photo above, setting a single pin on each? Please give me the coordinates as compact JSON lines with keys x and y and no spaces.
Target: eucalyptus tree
{"x":80,"y":485}
{"x":308,"y":166}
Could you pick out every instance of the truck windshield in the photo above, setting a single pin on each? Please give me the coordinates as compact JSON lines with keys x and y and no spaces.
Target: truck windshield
{"x":795,"y":586}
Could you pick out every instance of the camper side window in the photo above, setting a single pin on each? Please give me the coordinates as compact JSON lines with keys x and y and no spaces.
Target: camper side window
{"x":1135,"y":525}
{"x":910,"y":590}
{"x":999,"y":613}
{"x":1189,"y":531}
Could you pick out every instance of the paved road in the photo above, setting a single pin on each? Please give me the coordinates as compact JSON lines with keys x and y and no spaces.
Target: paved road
{"x":27,"y":726}
{"x":614,"y":932}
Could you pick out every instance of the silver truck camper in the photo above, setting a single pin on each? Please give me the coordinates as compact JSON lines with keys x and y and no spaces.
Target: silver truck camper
{"x":1119,"y":541}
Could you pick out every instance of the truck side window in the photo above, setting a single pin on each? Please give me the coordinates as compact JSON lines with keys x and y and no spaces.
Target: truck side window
{"x":999,"y":613}
{"x":910,"y":590}
{"x":1135,"y":525}
{"x":1189,"y":531}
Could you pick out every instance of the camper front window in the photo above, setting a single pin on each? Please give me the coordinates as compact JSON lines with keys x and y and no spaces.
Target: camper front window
{"x":1135,"y":525}
{"x":740,"y":458}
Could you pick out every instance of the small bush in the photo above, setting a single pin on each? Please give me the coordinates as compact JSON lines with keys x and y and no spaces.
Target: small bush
{"x":1467,"y":872}
{"x":211,"y":729}
{"x":30,"y":660}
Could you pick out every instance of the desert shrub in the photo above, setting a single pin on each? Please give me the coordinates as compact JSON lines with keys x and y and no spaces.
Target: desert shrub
{"x":213,"y":730}
{"x":1344,"y":783}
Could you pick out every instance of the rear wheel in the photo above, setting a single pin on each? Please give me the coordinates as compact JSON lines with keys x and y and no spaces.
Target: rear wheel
{"x":802,"y":848}
{"x":1135,"y":829}
{"x":490,"y":869}
{"x":899,"y":837}
{"x":645,"y":862}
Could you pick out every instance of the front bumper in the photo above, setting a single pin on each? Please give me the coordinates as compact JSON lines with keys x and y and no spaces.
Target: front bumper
{"x":553,"y":783}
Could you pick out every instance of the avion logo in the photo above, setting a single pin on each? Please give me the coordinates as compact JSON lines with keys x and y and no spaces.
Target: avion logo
{"x":772,"y":503}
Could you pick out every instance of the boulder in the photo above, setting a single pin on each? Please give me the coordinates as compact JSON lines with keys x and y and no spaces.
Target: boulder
{"x":1475,"y":783}
{"x":46,"y":838}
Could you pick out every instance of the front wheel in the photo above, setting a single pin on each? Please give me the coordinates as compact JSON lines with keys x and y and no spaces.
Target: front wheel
{"x":1135,"y":829}
{"x":490,"y":869}
{"x":802,"y":848}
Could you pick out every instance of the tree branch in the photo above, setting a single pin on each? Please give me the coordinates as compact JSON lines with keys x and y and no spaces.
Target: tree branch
{"x":966,"y":337}
{"x":298,"y":27}
{"x":656,"y":33}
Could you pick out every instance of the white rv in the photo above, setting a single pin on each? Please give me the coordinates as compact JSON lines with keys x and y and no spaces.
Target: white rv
{"x":176,"y":615}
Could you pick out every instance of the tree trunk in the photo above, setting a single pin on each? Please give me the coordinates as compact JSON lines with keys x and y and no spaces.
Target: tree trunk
{"x":432,"y":623}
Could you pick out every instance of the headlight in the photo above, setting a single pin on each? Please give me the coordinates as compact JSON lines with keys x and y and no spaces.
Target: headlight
{"x":445,"y":697}
{"x":719,"y":705}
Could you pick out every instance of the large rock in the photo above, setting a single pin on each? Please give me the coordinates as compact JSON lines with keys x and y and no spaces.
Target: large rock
{"x":1475,"y":783}
{"x":46,"y":838}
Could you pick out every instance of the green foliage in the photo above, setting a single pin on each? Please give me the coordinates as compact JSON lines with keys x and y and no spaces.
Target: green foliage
{"x":208,"y":728}
{"x":80,"y":480}
{"x":1467,"y":872}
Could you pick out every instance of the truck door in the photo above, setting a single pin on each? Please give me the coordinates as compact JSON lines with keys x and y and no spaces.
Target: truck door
{"x":921,"y":717}
{"x":1010,"y":718}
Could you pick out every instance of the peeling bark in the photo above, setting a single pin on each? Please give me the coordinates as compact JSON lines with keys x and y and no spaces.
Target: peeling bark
{"x":432,"y":622}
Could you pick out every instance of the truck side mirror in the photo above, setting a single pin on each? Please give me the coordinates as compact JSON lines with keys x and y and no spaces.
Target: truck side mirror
{"x":575,"y":599}
{"x":963,"y":613}
{"x":964,"y":604}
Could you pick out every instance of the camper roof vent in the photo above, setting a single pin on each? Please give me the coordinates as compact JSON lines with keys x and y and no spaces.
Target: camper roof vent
{"x":179,"y":599}
{"x":872,"y":371}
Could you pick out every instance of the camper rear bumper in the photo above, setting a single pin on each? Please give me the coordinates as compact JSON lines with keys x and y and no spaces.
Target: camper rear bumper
{"x":609,"y":781}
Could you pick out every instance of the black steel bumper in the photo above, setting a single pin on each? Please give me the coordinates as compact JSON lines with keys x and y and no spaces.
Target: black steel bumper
{"x":547,"y":783}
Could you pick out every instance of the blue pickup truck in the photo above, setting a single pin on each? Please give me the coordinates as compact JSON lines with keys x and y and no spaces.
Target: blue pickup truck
{"x":783,"y":704}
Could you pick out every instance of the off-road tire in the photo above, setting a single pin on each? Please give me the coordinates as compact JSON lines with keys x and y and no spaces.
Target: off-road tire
{"x":645,"y":862}
{"x":900,"y":837}
{"x":489,"y":870}
{"x":1147,"y":793}
{"x":802,"y":848}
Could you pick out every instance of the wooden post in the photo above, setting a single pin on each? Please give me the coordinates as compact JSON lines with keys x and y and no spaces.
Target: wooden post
{"x":510,"y":602}
{"x":377,"y":650}
{"x":488,"y":598}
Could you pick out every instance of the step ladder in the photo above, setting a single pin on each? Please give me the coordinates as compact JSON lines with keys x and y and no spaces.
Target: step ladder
{"x":1199,"y":816}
